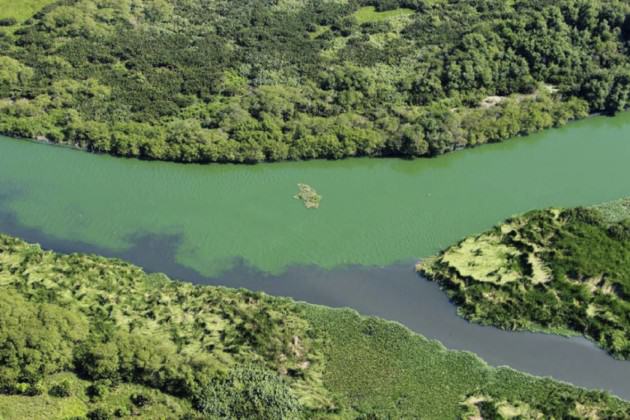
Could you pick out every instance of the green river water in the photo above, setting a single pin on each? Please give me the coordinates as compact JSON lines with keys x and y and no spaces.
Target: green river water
{"x":373,"y":211}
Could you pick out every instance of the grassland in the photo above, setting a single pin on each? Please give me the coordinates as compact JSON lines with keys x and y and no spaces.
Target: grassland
{"x":78,"y":403}
{"x":557,"y":270}
{"x":383,"y":369}
{"x":615,"y":211}
{"x":21,"y":10}
{"x":128,"y":344}
{"x":370,"y":14}
{"x":15,"y":12}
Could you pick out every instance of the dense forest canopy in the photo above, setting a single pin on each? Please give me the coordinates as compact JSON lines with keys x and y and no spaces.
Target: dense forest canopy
{"x":247,"y":81}
{"x":83,"y":336}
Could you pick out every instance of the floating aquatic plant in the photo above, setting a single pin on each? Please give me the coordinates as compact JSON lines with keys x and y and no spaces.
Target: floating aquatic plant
{"x":309,"y":196}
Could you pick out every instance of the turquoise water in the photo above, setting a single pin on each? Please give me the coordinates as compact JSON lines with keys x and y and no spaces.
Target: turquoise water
{"x":373,"y":211}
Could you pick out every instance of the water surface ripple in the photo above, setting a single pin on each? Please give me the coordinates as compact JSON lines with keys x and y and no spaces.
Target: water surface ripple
{"x":238,"y":226}
{"x":373,"y":211}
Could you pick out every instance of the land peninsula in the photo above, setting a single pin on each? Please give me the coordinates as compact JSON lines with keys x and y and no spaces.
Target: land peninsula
{"x":556,"y":270}
{"x":243,"y":81}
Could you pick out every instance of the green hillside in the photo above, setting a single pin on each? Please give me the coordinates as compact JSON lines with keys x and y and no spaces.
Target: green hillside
{"x":243,"y":81}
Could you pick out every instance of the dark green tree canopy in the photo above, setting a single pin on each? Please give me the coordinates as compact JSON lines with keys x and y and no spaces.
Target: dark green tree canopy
{"x":243,"y":81}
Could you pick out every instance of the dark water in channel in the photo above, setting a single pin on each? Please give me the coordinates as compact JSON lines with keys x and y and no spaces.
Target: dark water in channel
{"x":395,"y":293}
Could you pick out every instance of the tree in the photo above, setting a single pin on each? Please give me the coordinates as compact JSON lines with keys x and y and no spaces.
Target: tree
{"x":413,"y":142}
{"x":619,"y":93}
{"x":98,"y":360}
{"x":13,"y":76}
{"x":249,"y":392}
{"x":35,"y":340}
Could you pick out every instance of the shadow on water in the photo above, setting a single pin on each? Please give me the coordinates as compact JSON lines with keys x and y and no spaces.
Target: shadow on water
{"x":395,"y":293}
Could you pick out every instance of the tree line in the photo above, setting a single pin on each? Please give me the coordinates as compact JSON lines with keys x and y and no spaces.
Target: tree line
{"x":242,"y":81}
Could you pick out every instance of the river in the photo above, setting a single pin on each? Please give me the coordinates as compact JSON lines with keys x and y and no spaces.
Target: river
{"x":239,"y":225}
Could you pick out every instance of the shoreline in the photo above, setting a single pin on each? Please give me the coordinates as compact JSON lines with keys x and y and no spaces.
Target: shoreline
{"x":394,"y":293}
{"x":455,"y":149}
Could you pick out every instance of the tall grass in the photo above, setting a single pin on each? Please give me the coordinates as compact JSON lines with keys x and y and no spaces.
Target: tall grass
{"x":21,"y":10}
{"x":370,"y":14}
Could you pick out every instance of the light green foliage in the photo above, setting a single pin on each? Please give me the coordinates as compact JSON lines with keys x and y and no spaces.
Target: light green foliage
{"x":161,"y":349}
{"x":370,"y":14}
{"x":309,"y":196}
{"x":483,"y":258}
{"x":193,"y":81}
{"x":382,"y":370}
{"x":615,"y":211}
{"x":479,"y":406}
{"x":13,"y":75}
{"x":556,"y":270}
{"x":488,"y":258}
{"x":21,"y":10}
{"x":117,"y":402}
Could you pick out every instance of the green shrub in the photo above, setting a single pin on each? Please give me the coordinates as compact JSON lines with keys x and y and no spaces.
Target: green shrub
{"x":35,"y":340}
{"x":99,"y":414}
{"x":140,"y":400}
{"x":248,"y":392}
{"x":99,"y":361}
{"x":582,"y":282}
{"x":61,"y":389}
{"x":98,"y":390}
{"x":8,"y":21}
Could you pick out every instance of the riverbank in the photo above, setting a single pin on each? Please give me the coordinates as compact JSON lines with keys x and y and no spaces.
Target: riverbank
{"x":394,"y":293}
{"x":339,"y":356}
{"x":398,"y":209}
{"x":474,"y":126}
{"x":470,"y":141}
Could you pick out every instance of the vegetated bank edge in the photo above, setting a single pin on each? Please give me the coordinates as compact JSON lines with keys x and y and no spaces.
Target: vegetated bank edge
{"x":105,"y":339}
{"x":557,"y":270}
{"x":270,"y":91}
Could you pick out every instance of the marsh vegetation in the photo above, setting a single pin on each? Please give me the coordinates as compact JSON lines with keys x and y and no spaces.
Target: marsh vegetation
{"x":559,"y":270}
{"x":83,"y":335}
{"x":309,"y":196}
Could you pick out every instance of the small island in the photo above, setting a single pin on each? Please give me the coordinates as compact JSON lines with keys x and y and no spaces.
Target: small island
{"x":309,"y":196}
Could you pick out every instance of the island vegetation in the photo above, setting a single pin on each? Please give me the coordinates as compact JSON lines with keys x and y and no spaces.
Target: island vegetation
{"x":309,"y":196}
{"x":88,"y":337}
{"x":557,"y":270}
{"x":250,"y":81}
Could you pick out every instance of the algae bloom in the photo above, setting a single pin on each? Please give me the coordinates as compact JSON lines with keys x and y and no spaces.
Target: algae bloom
{"x":309,"y":196}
